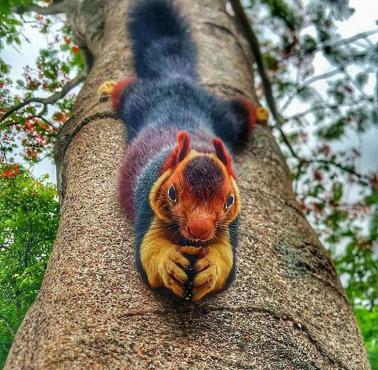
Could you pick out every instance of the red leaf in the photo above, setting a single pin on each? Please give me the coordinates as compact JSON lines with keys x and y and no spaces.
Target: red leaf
{"x":75,"y":49}
{"x":11,"y":172}
{"x":318,"y":175}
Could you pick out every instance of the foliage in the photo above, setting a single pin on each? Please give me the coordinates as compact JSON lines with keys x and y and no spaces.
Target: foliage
{"x":29,"y":216}
{"x":365,"y":319}
{"x":33,"y":125}
{"x":319,"y":131}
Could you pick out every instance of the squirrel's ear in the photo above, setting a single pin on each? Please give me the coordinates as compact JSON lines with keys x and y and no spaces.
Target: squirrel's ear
{"x":223,"y":155}
{"x":181,"y":150}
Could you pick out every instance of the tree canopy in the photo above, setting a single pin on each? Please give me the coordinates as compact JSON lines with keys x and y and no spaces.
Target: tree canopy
{"x":320,"y":133}
{"x":29,"y":216}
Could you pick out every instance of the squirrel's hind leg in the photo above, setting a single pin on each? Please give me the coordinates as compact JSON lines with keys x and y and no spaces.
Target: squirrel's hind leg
{"x":115,"y":89}
{"x":251,"y":113}
{"x":248,"y":114}
{"x":235,"y":120}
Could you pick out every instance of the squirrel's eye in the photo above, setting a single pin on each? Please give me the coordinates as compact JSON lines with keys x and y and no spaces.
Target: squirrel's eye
{"x":229,"y":202}
{"x":172,"y":194}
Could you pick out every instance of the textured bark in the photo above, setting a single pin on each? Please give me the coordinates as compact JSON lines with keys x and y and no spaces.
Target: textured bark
{"x":286,"y":309}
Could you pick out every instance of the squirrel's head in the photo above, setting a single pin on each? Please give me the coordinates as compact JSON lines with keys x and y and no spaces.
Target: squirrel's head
{"x":196,"y":194}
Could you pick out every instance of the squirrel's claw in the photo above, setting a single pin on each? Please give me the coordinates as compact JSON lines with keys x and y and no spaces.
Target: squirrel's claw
{"x":106,"y":88}
{"x":205,"y":281}
{"x":172,"y":271}
{"x":212,"y":272}
{"x":207,"y":278}
{"x":262,"y":115}
{"x":115,"y":89}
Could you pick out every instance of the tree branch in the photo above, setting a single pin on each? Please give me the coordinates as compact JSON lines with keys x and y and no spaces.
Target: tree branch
{"x":45,"y":101}
{"x":341,"y":167}
{"x":57,"y":7}
{"x":321,"y":105}
{"x":255,"y":47}
{"x":289,"y":146}
{"x":267,"y":86}
{"x":304,"y":161}
{"x":308,"y":82}
{"x":362,"y":35}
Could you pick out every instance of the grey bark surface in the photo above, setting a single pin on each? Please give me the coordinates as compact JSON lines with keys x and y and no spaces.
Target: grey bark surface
{"x":286,"y":309}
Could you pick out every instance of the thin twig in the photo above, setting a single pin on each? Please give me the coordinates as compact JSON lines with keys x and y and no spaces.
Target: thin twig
{"x":359,"y":88}
{"x":54,"y":8}
{"x":255,"y":47}
{"x":45,"y":101}
{"x":330,"y":44}
{"x":289,"y":146}
{"x":321,"y":105}
{"x":309,"y":82}
{"x":341,"y":167}
{"x":305,"y":161}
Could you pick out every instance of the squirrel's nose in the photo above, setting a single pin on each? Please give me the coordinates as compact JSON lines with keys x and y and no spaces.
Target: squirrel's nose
{"x":200,"y":228}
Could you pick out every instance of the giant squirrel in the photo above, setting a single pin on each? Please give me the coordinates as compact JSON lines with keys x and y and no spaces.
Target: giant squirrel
{"x":177,"y":182}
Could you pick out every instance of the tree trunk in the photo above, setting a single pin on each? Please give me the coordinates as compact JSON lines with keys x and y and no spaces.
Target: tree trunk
{"x":286,"y":309}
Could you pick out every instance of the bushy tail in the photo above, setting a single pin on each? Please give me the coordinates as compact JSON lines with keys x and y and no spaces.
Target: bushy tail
{"x":161,"y":40}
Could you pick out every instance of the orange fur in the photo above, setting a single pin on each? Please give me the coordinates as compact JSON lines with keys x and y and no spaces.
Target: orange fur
{"x":213,"y":269}
{"x":155,"y":196}
{"x":188,"y":206}
{"x":224,"y":156}
{"x":162,"y":259}
{"x":165,"y":265}
{"x":179,"y":152}
{"x":118,"y":90}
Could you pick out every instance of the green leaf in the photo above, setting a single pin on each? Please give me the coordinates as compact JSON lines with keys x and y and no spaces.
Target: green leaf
{"x":29,"y":216}
{"x":337,"y":191}
{"x":334,"y":131}
{"x":309,"y":44}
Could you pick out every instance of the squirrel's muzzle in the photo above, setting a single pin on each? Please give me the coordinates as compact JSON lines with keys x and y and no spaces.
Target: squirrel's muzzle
{"x":200,"y":228}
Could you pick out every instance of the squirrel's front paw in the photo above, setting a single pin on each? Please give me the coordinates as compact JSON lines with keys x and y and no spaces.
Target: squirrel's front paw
{"x":107,"y":87}
{"x":211,"y":275}
{"x":172,"y":266}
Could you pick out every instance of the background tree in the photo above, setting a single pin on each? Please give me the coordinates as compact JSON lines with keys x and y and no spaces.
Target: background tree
{"x":29,"y":216}
{"x":311,"y":173}
{"x":339,"y":199}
